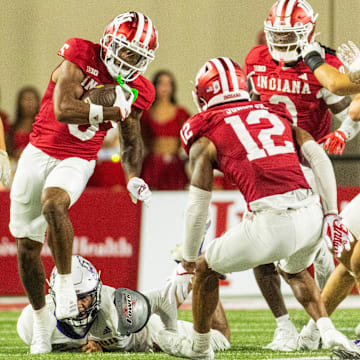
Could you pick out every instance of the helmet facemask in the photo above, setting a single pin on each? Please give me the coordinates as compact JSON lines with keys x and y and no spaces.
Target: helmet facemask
{"x":86,"y":283}
{"x":131,"y":31}
{"x":285,"y":43}
{"x":118,"y":66}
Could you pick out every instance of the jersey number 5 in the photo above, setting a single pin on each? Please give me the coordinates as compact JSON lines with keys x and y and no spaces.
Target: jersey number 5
{"x":268,"y":147}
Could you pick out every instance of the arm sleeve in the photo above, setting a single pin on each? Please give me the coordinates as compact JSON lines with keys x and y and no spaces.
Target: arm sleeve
{"x":349,"y":127}
{"x":324,"y":175}
{"x":196,"y":215}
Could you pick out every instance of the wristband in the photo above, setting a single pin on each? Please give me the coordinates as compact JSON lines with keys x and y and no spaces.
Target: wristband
{"x":313,"y":60}
{"x":96,"y":115}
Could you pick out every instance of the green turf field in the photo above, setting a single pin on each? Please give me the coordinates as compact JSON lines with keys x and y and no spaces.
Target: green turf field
{"x":250,"y":330}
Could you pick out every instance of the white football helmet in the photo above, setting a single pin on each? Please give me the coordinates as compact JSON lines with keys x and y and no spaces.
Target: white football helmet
{"x":290,"y":24}
{"x":133,"y":31}
{"x":86,"y":282}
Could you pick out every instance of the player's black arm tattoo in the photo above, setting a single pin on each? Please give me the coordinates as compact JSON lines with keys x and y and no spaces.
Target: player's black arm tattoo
{"x":131,"y":144}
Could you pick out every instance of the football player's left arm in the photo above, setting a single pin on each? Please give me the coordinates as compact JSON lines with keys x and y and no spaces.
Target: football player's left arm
{"x":328,"y":76}
{"x":202,"y":161}
{"x":335,"y":232}
{"x":132,"y":153}
{"x":354,"y":109}
{"x":322,"y":169}
{"x":335,"y":141}
{"x":335,"y":81}
{"x":131,"y":144}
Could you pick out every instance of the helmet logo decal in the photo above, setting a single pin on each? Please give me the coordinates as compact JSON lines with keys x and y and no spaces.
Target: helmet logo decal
{"x":128,"y":310}
{"x":216,"y":86}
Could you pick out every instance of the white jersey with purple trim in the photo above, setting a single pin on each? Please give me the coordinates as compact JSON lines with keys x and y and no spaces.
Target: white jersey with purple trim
{"x":104,"y":328}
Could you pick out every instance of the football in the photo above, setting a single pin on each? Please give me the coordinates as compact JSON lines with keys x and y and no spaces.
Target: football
{"x":101,"y":95}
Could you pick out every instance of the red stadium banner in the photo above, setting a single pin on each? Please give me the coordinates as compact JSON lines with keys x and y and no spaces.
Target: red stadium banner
{"x":107,"y":232}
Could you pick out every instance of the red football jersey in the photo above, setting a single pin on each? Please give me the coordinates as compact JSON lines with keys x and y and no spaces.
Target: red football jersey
{"x":295,"y":87}
{"x":67,"y":140}
{"x":254,"y":145}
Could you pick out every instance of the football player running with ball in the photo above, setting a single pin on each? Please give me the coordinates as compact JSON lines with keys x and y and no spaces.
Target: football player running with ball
{"x":253,"y":145}
{"x":56,"y":165}
{"x":278,"y":75}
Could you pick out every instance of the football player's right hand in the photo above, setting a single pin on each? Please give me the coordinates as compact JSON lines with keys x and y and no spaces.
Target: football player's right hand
{"x":179,"y":284}
{"x":122,"y":102}
{"x":349,"y":54}
{"x":334,"y":143}
{"x":91,"y":347}
{"x":139,"y":190}
{"x":336,"y":234}
{"x":312,"y":47}
{"x":5,"y":169}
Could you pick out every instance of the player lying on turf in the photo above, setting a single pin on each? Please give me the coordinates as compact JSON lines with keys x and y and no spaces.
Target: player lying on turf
{"x":117,"y":319}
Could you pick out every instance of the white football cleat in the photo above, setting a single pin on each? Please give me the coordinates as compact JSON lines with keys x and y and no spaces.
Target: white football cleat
{"x":357,"y":330}
{"x":66,"y":304}
{"x":335,"y":340}
{"x":181,"y":346}
{"x":41,"y":339}
{"x":285,"y":338}
{"x":308,"y":339}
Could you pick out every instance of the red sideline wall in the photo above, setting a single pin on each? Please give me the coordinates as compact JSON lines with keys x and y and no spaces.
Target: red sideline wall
{"x":107,"y":232}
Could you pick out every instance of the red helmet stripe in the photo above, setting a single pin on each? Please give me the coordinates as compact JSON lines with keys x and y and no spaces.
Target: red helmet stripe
{"x":230,"y":80}
{"x":232,"y":73}
{"x":221,"y":70}
{"x":149,"y":32}
{"x":284,"y":11}
{"x":290,"y":7}
{"x":281,"y":9}
{"x":140,"y":27}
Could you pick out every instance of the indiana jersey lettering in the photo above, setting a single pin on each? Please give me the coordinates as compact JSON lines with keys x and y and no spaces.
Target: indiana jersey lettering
{"x":295,"y":87}
{"x":254,"y":144}
{"x":62,"y":141}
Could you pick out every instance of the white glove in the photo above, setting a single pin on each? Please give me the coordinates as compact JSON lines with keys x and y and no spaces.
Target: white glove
{"x":307,"y":48}
{"x":139,"y":190}
{"x":336,"y":234}
{"x":5,"y":169}
{"x":122,"y":102}
{"x":179,"y":284}
{"x":349,"y":54}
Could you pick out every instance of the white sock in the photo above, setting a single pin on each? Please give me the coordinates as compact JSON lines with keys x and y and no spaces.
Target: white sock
{"x":283,"y":321}
{"x":201,"y":341}
{"x":324,"y":324}
{"x":41,"y":316}
{"x":63,"y":282}
{"x":311,"y":325}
